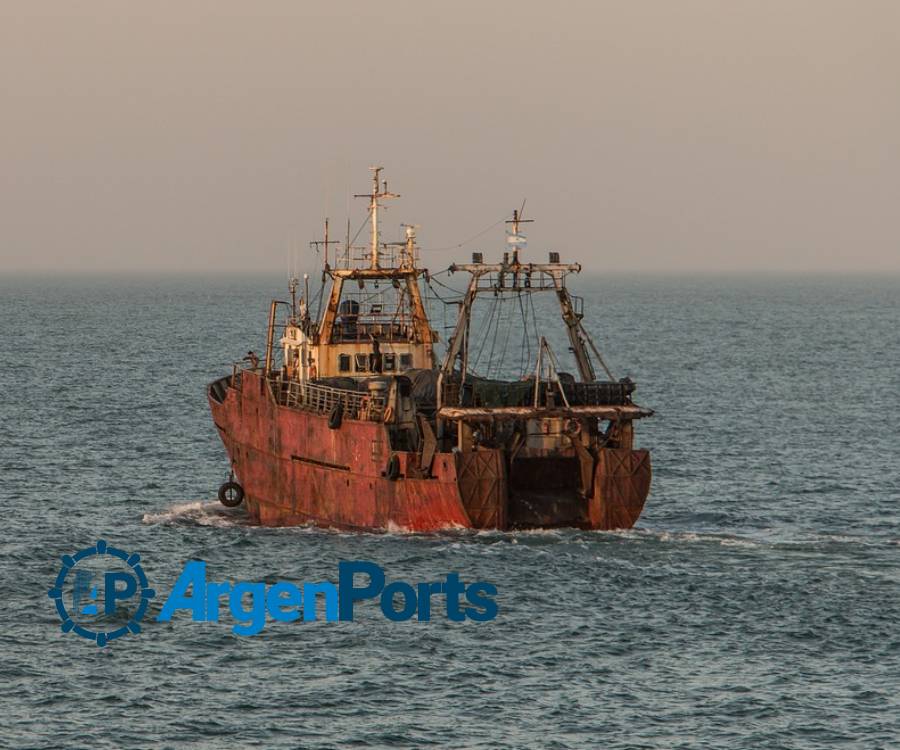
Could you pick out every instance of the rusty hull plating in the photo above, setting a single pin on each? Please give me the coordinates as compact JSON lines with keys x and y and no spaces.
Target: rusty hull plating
{"x":351,"y":422}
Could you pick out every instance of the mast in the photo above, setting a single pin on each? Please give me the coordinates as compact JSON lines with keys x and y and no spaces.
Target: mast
{"x":379,"y":191}
{"x":512,"y":275}
{"x":292,"y":286}
{"x":403,"y":277}
{"x":409,"y":258}
{"x":324,"y":243}
{"x":514,"y":239}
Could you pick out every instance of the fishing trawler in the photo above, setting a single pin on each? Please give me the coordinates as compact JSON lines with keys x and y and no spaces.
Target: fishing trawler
{"x":353,"y":421}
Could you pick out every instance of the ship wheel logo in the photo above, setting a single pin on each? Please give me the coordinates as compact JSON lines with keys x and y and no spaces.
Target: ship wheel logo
{"x":118,"y":610}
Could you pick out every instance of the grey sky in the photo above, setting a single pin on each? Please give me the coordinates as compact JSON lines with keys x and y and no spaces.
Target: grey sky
{"x":646,"y":136}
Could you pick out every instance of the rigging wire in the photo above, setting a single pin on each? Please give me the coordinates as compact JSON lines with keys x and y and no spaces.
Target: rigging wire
{"x":525,"y":351}
{"x":487,"y":330}
{"x":317,"y":301}
{"x":361,"y":227}
{"x":442,"y":284}
{"x":459,"y":295}
{"x":492,"y":359}
{"x":534,"y":324}
{"x":502,"y":361}
{"x":464,"y":242}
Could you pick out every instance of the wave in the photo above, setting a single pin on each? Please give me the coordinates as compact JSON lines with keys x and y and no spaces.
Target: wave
{"x":767,"y":538}
{"x":198,"y":513}
{"x":212,"y":513}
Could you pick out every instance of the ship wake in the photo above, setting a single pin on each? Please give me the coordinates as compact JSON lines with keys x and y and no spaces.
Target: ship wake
{"x":199,"y":513}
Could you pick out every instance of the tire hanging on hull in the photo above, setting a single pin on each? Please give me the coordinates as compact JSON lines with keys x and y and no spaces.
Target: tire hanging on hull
{"x":231,"y":494}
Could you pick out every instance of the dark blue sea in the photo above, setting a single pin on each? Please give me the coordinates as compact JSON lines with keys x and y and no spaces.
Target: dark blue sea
{"x":755,"y":605}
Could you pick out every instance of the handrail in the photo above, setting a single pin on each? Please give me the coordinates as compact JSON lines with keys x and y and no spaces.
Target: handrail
{"x":322,"y":399}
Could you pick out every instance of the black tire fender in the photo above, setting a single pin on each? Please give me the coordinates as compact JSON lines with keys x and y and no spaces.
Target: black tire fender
{"x":231,"y":494}
{"x":573,"y":427}
{"x":336,"y":417}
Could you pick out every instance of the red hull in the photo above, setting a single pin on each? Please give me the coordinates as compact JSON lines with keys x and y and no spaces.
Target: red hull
{"x":296,"y":470}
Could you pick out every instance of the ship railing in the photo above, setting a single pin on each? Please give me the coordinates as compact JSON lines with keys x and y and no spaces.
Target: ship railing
{"x":385,"y":330}
{"x":389,"y":256}
{"x":322,"y":399}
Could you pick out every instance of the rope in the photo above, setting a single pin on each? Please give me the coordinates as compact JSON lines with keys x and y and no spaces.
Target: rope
{"x":534,"y":323}
{"x":526,"y":342}
{"x":464,"y":242}
{"x":491,"y":359}
{"x":502,"y":361}
{"x":317,"y":301}
{"x":448,"y":288}
{"x":487,"y":329}
{"x":361,"y":227}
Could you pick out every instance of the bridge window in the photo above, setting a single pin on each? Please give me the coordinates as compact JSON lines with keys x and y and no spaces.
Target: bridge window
{"x":362,"y":362}
{"x":405,"y":361}
{"x":344,"y":362}
{"x":390,"y":362}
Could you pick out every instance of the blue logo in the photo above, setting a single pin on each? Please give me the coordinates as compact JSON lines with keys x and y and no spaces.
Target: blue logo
{"x":251,"y":603}
{"x":107,"y":595}
{"x":122,"y":580}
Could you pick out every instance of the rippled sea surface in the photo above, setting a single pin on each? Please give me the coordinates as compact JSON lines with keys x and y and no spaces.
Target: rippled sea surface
{"x":756,"y":604}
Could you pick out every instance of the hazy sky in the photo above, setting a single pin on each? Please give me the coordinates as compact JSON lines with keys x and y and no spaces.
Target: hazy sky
{"x":646,"y":136}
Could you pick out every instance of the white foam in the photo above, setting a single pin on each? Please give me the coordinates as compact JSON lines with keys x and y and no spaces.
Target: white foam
{"x":394,"y":528}
{"x":198,"y":513}
{"x":686,"y":537}
{"x":555,"y":533}
{"x":737,"y":542}
{"x":841,"y":539}
{"x":679,"y":536}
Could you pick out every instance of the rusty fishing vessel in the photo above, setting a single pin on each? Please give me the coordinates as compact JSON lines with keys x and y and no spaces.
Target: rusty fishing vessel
{"x":352,"y":420}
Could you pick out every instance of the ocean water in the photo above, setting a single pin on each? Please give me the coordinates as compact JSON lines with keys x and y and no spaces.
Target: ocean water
{"x":755,"y":605}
